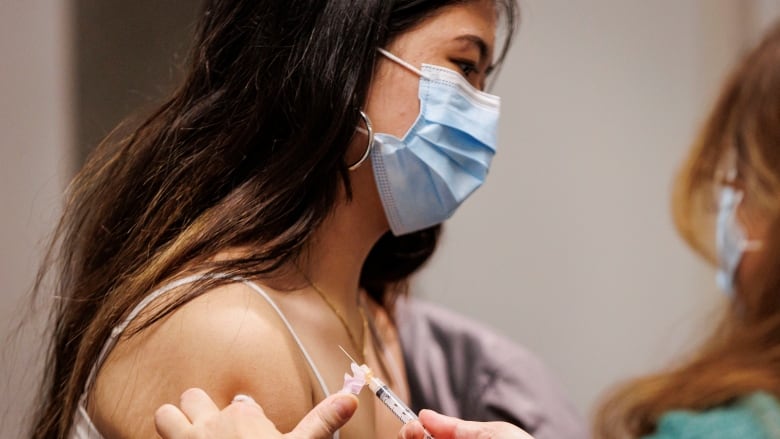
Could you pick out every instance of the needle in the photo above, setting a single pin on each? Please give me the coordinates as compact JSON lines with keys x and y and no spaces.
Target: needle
{"x":347,"y":354}
{"x":388,"y":398}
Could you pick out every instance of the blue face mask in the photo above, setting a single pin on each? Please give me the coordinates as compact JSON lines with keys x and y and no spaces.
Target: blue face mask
{"x":730,"y":239}
{"x":444,"y":157}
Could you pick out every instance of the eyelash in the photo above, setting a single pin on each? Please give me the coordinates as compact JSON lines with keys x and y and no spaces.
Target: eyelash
{"x":465,"y":66}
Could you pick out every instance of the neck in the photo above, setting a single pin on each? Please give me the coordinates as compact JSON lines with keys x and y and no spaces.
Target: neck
{"x":336,"y":254}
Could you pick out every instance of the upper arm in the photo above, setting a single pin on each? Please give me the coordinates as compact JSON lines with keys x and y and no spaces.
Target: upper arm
{"x":227,"y":341}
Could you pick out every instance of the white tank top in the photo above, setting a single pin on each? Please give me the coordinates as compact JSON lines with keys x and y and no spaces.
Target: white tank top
{"x":83,"y":428}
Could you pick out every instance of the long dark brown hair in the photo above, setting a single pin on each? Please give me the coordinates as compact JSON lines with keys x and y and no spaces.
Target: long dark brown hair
{"x":743,"y":354}
{"x":248,"y":152}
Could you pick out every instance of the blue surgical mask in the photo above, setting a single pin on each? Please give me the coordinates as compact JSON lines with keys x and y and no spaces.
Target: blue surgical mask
{"x":443,"y":158}
{"x":730,"y":239}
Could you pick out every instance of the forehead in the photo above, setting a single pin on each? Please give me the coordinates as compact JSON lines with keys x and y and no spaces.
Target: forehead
{"x":476,"y":18}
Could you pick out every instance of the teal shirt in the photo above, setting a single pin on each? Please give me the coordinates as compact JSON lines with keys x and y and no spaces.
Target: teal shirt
{"x":756,"y":416}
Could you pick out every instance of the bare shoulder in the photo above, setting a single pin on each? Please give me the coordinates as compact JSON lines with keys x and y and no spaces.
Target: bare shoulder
{"x":226,"y":341}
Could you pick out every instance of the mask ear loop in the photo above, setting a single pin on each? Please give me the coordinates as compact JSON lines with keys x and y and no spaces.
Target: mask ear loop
{"x":369,"y":131}
{"x":402,"y":62}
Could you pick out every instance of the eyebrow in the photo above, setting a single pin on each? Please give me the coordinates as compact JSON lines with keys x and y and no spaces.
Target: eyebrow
{"x":481,"y":45}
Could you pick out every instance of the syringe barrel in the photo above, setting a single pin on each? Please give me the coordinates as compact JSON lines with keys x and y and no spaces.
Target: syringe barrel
{"x":393,"y":402}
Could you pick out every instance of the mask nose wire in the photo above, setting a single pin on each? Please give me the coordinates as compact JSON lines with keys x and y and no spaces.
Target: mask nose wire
{"x":402,"y":63}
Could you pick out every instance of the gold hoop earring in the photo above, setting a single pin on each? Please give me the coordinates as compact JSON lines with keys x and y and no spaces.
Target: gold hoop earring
{"x":367,"y":153}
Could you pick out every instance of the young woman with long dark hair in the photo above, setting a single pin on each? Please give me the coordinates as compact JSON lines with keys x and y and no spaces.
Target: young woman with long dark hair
{"x":269,"y":211}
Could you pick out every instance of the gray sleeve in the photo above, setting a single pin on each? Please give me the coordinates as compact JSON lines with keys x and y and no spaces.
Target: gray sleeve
{"x":461,"y":368}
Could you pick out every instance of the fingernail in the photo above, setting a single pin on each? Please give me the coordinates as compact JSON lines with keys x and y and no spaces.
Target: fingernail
{"x":243,"y":398}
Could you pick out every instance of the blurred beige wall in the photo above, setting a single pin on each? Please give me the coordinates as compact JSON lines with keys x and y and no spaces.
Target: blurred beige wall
{"x":35,"y":138}
{"x":70,"y":71}
{"x":569,"y":248}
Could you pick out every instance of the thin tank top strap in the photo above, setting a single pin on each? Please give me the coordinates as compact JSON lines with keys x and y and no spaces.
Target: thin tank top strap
{"x":118,"y":330}
{"x":295,"y":337}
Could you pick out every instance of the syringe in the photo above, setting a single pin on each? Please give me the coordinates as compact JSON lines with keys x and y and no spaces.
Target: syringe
{"x":388,"y":398}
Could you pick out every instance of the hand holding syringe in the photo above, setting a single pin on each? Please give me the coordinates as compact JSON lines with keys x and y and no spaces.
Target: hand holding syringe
{"x":363,"y":375}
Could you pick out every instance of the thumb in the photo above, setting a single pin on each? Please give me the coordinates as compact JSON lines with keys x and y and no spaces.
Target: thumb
{"x":446,"y":427}
{"x":326,"y":417}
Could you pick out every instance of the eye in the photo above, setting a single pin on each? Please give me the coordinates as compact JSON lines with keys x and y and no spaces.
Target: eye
{"x":466,"y":67}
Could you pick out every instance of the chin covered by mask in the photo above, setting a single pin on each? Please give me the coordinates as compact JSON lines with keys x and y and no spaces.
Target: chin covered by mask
{"x":443,"y":158}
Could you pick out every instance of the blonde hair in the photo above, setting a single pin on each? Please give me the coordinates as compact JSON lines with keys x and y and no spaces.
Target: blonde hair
{"x":742,"y":355}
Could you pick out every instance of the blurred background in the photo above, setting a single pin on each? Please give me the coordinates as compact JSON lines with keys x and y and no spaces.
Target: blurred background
{"x":569,"y":248}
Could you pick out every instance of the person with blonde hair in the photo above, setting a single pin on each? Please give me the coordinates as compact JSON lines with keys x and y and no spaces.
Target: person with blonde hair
{"x":727,"y":208}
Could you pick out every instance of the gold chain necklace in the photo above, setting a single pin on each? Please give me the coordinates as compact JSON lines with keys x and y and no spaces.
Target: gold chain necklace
{"x":359,"y":346}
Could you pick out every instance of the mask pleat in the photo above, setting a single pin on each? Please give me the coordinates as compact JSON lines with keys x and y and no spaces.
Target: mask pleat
{"x":443,"y":158}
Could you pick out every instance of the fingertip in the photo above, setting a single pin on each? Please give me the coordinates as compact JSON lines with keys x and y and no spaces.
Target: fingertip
{"x":350,"y":396}
{"x":412,"y":430}
{"x":164,"y":411}
{"x":327,"y":417}
{"x":169,"y":421}
{"x":193,"y":393}
{"x":429,"y":414}
{"x":440,"y":425}
{"x":345,"y":404}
